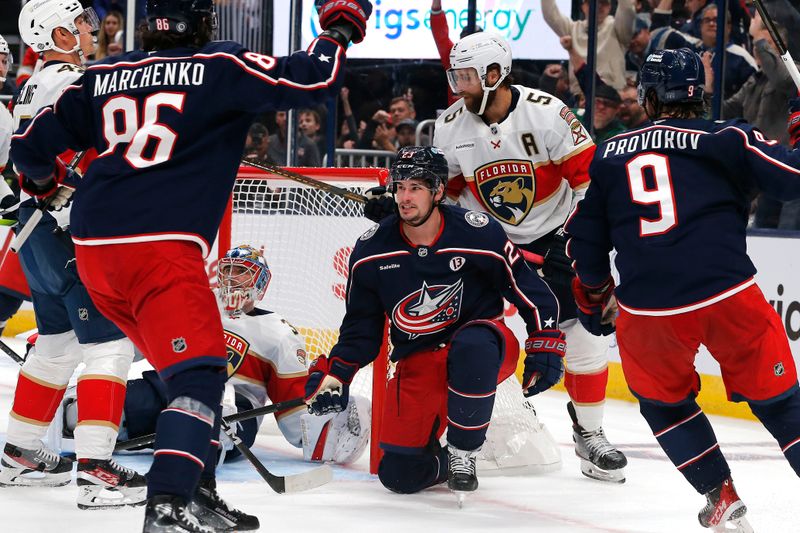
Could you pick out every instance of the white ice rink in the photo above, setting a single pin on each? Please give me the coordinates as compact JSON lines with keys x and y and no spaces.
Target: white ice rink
{"x":655,"y":497}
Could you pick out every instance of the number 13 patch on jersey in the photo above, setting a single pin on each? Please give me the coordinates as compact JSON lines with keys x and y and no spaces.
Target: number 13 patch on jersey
{"x":507,"y":189}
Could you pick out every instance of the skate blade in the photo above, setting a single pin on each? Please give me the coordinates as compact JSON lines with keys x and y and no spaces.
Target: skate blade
{"x":461,"y":496}
{"x":591,"y":470}
{"x":95,"y":498}
{"x":737,"y":525}
{"x":16,"y":478}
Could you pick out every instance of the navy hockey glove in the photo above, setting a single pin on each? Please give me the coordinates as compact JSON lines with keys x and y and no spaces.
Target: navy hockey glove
{"x":794,"y":122}
{"x":328,"y":385}
{"x":557,"y":267}
{"x":597,"y":308}
{"x":544,"y":364}
{"x":348,"y":13}
{"x":51,"y":191}
{"x":379,"y":204}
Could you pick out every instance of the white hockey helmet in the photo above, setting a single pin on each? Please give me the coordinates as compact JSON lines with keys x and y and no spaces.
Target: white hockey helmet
{"x":243,"y":276}
{"x":39,"y":18}
{"x":480,"y":51}
{"x":9,"y":59}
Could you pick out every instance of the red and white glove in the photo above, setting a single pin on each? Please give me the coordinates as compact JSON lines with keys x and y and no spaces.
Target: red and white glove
{"x":57,"y":195}
{"x":597,"y":307}
{"x":353,"y":13}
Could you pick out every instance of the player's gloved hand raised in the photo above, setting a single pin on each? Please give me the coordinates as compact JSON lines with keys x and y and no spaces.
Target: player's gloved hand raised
{"x":380,"y":204}
{"x":328,"y":385}
{"x":557,"y":267}
{"x":52,"y":192}
{"x":794,"y":122}
{"x":544,"y":364}
{"x":348,"y":13}
{"x":597,"y":307}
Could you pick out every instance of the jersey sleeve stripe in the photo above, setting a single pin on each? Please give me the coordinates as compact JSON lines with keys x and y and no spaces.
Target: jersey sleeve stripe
{"x":23,"y":134}
{"x":761,"y":154}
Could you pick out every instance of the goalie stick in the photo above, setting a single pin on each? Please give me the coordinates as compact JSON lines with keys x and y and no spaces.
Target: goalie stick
{"x":306,"y":180}
{"x":782,"y":49}
{"x":6,"y":349}
{"x":26,"y":230}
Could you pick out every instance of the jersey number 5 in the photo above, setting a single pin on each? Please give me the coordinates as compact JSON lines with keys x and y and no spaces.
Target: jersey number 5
{"x":123,"y":111}
{"x":662,"y":194}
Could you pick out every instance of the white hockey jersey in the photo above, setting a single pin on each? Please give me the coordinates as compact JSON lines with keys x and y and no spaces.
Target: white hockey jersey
{"x":523,"y":171}
{"x":6,"y":129}
{"x":267,"y":359}
{"x":43,"y":89}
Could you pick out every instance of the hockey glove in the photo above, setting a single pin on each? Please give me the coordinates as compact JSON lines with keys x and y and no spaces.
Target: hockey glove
{"x":544,"y":364}
{"x":794,"y":122}
{"x":328,"y":385}
{"x":53,"y":191}
{"x":380,"y":204}
{"x":352,"y":14}
{"x":597,"y":308}
{"x":557,"y":267}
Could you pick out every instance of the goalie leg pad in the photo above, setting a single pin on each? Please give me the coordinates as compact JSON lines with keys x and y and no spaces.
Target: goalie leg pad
{"x":101,"y":396}
{"x":144,"y":400}
{"x":184,"y":432}
{"x":686,"y":436}
{"x":782,"y":420}
{"x":340,"y":437}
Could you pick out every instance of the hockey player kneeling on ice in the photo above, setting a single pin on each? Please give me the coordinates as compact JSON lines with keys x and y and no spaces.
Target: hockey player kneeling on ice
{"x":266,"y":361}
{"x":440,"y":273}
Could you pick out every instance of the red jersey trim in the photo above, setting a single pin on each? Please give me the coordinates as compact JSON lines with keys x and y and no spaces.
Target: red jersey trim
{"x":687,"y":308}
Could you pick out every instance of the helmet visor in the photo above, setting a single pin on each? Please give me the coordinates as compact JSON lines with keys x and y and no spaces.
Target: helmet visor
{"x":88,"y":21}
{"x":404,"y":172}
{"x":463,"y":79}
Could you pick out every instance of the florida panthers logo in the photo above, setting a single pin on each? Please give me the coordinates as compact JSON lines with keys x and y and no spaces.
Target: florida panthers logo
{"x":429,"y":309}
{"x":237,"y":348}
{"x":507,"y":189}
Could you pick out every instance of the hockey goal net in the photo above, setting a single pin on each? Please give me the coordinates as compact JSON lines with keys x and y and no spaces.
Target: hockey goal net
{"x":307,"y":235}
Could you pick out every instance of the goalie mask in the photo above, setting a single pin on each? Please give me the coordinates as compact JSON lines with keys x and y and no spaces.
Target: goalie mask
{"x":243,"y":276}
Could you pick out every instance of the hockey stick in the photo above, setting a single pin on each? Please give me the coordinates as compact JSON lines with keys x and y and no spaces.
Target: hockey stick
{"x":281,"y":484}
{"x":782,"y":49}
{"x":144,"y":440}
{"x":6,"y":349}
{"x":306,"y":180}
{"x":37,"y":215}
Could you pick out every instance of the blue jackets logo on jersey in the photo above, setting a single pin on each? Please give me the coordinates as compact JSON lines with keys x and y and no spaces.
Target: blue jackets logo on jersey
{"x":237,"y":348}
{"x":428,"y":310}
{"x":507,"y":189}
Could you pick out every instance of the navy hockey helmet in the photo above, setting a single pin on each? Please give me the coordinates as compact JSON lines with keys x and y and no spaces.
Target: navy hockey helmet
{"x":676,"y":76}
{"x":426,"y":163}
{"x":182,"y":17}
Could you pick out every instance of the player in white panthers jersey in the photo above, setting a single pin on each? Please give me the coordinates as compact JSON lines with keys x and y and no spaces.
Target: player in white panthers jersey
{"x":522,"y":156}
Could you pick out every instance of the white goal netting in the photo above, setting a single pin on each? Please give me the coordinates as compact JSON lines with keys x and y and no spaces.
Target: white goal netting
{"x":307,"y":236}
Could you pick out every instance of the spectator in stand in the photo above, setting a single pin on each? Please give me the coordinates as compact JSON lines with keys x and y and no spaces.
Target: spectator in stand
{"x":739,"y":64}
{"x":307,"y":153}
{"x":763,"y":102}
{"x":648,"y":39}
{"x":631,"y":114}
{"x":257,"y":143}
{"x":109,"y":40}
{"x":310,"y":123}
{"x":406,"y":133}
{"x":692,"y":24}
{"x":613,"y":37}
{"x":379,"y":133}
{"x":441,"y":36}
{"x":348,"y":133}
{"x":401,"y":108}
{"x":555,"y":80}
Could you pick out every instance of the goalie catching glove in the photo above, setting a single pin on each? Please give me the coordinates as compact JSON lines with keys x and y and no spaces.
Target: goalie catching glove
{"x":544,"y":364}
{"x":597,"y":307}
{"x":328,"y":385}
{"x":348,"y":16}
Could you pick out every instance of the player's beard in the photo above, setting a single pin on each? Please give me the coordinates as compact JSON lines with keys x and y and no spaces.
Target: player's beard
{"x":473,"y":102}
{"x":419,"y":218}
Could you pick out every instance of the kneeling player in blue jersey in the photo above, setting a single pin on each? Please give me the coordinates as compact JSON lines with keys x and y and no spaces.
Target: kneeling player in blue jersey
{"x":439,"y":273}
{"x":170,"y":123}
{"x":673,"y":199}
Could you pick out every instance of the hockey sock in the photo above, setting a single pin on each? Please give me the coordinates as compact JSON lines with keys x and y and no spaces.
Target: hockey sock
{"x":473,"y":364}
{"x":686,"y":436}
{"x":184,"y":431}
{"x":407,"y":474}
{"x":782,"y":419}
{"x":588,"y":394}
{"x":213,"y":450}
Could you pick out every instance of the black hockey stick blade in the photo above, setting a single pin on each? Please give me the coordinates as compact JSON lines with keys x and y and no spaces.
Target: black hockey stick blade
{"x":281,"y":484}
{"x":6,"y":349}
{"x":305,"y":180}
{"x":144,"y":440}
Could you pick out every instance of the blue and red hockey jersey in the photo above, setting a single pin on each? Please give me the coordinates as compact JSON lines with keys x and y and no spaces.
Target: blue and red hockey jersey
{"x":169,"y":128}
{"x":673,"y":199}
{"x":428,"y":292}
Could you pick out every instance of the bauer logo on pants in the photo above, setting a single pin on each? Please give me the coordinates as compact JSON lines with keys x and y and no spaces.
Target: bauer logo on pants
{"x":179,"y":345}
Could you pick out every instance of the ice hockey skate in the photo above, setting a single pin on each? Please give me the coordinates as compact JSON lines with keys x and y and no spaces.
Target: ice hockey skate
{"x":170,"y":514}
{"x":724,"y":511}
{"x":212,"y":510}
{"x":599,"y":458}
{"x":106,"y":485}
{"x":462,"y":477}
{"x":41,"y":467}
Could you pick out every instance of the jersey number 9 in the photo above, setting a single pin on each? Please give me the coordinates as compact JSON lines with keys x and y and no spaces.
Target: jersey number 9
{"x":662,"y":194}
